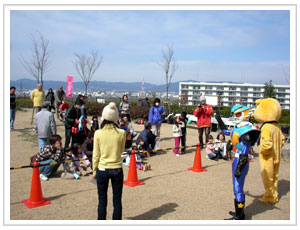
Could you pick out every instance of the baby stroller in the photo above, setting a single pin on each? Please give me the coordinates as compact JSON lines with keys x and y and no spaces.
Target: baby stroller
{"x":63,"y":108}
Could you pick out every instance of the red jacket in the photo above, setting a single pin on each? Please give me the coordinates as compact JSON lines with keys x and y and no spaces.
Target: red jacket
{"x":204,"y":115}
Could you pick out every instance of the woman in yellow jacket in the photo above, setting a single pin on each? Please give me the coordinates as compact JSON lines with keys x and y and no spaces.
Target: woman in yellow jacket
{"x":109,"y":144}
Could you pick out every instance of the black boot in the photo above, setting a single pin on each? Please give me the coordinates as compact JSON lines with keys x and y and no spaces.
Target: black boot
{"x":239,"y":211}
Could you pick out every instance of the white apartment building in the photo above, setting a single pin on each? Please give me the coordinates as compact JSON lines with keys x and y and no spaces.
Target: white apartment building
{"x":231,"y":93}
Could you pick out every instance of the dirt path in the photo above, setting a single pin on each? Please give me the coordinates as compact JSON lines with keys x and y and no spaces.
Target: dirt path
{"x":171,"y":192}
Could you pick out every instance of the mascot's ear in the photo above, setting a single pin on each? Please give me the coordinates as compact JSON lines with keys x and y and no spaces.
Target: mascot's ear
{"x":258,"y":102}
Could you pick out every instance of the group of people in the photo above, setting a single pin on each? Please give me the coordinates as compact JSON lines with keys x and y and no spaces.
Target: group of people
{"x":101,"y":146}
{"x":55,"y":100}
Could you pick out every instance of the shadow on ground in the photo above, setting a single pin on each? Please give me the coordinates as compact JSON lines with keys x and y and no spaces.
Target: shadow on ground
{"x":166,"y":174}
{"x":257,"y":207}
{"x":156,"y":213}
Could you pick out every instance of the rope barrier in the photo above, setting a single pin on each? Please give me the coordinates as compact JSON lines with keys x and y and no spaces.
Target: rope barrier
{"x":83,"y":159}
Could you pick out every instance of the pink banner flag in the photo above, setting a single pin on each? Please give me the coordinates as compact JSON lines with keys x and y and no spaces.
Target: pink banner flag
{"x":69,"y":86}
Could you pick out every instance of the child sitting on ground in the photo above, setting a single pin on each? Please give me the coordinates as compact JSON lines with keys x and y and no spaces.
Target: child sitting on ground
{"x":77,"y":155}
{"x":88,"y":146}
{"x":94,"y":123}
{"x":142,"y":147}
{"x":139,"y":161}
{"x":178,"y":125}
{"x":210,"y":149}
{"x":69,"y":167}
{"x":220,"y":147}
{"x":123,"y":124}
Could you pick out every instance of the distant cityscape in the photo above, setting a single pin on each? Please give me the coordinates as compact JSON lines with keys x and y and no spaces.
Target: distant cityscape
{"x":184,"y":92}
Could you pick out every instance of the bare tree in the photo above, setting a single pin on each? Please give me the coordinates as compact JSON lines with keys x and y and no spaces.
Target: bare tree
{"x":286,"y":76}
{"x":87,"y":66}
{"x":39,"y":63}
{"x":169,"y":66}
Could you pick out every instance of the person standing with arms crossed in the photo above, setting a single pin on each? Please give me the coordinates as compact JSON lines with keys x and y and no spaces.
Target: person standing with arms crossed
{"x":37,"y":97}
{"x":109,"y":144}
{"x":203,"y":112}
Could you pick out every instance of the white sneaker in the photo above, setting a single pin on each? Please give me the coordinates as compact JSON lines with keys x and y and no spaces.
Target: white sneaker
{"x":43,"y":177}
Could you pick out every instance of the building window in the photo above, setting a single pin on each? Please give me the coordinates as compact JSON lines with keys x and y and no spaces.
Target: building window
{"x":208,"y":87}
{"x":196,"y":98}
{"x":280,"y":95}
{"x":184,"y":92}
{"x":196,"y":93}
{"x":282,"y":90}
{"x":184,"y":86}
{"x":208,"y":93}
{"x":256,"y":95}
{"x":232,"y":88}
{"x":244,"y":94}
{"x":256,"y":89}
{"x":196,"y":87}
{"x":220,"y":88}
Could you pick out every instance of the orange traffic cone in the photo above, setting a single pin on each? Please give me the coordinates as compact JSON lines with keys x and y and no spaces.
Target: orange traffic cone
{"x":197,"y":161}
{"x":132,"y":179}
{"x":36,"y":197}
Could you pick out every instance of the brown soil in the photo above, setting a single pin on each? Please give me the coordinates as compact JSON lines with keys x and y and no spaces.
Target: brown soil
{"x":171,"y":192}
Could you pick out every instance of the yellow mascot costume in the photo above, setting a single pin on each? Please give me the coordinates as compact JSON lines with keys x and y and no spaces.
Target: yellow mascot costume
{"x":268,"y":112}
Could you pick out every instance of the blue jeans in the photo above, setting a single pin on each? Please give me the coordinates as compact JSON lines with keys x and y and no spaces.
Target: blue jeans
{"x":43,"y":142}
{"x":48,"y":170}
{"x":12,"y":117}
{"x":116,"y":176}
{"x":212,"y":156}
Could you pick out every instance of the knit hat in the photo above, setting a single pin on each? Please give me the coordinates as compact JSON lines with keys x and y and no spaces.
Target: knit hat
{"x":202,"y":98}
{"x":110,"y":112}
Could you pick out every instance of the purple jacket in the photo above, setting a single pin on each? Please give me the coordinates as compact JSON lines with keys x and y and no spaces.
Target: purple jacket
{"x":155,"y":115}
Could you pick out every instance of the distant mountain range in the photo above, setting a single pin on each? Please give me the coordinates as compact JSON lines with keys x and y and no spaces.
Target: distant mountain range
{"x":29,"y":84}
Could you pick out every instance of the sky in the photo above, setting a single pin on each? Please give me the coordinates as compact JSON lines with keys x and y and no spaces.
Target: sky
{"x":225,"y":45}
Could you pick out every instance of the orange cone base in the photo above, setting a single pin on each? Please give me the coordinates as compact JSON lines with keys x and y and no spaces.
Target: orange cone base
{"x":197,"y":170}
{"x":133,"y":184}
{"x":30,"y":204}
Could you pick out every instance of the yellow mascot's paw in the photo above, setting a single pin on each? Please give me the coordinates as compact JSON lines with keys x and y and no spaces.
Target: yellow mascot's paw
{"x":268,"y":200}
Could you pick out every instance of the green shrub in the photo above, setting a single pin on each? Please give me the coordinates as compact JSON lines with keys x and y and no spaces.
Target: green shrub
{"x":94,"y":108}
{"x":285,"y":118}
{"x":175,"y":108}
{"x":187,"y":108}
{"x":133,"y":103}
{"x":139,"y":112}
{"x":24,"y":103}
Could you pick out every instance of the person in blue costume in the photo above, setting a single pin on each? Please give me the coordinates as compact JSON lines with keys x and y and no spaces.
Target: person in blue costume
{"x":243,"y":136}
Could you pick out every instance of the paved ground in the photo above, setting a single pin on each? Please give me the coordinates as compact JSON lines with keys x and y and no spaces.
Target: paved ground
{"x":171,"y":192}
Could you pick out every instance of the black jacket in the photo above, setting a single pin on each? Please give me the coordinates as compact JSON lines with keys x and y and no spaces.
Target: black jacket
{"x":13,"y":104}
{"x":71,"y":116}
